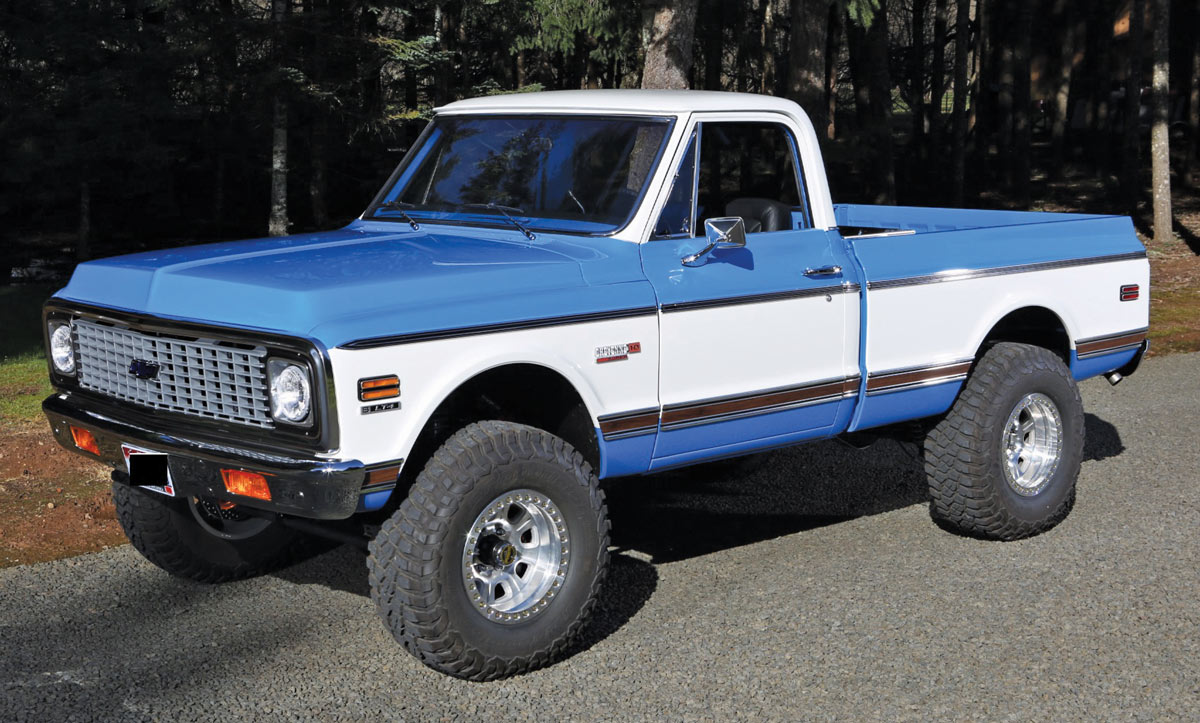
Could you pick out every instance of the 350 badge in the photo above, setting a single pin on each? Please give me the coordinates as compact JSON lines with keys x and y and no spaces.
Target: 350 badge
{"x":617,"y":352}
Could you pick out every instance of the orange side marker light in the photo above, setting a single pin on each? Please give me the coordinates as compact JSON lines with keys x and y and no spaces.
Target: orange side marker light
{"x":378,"y":388}
{"x":85,"y":441}
{"x":246,"y":484}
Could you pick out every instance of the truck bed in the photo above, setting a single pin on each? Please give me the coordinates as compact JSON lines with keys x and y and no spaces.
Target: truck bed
{"x":875,"y":219}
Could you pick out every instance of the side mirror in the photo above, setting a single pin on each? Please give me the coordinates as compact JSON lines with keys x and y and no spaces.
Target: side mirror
{"x":722,"y":233}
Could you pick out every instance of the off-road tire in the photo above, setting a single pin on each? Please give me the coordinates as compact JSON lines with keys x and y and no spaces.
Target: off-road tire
{"x":963,"y":459}
{"x":166,"y":533}
{"x":415,"y":561}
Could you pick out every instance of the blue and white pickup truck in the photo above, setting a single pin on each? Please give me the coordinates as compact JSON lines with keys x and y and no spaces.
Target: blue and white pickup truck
{"x":557,"y":288}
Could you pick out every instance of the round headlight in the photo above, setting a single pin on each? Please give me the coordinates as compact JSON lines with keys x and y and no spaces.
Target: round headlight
{"x":291,"y":395}
{"x":62,"y":351}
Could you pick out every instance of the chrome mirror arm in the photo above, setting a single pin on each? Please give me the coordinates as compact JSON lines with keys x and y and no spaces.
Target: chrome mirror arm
{"x":727,"y":232}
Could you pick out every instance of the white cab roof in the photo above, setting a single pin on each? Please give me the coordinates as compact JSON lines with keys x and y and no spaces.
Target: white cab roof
{"x":669,"y":102}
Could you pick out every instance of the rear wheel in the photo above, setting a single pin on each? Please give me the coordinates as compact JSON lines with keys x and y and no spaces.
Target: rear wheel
{"x":1002,"y":463}
{"x":492,"y":564}
{"x":204,"y":539}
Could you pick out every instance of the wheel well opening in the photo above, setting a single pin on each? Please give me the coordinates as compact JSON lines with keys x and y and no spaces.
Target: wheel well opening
{"x":1034,"y":325}
{"x":522,"y":393}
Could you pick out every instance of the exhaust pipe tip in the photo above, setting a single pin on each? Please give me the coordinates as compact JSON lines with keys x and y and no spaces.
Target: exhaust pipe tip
{"x":1114,"y":378}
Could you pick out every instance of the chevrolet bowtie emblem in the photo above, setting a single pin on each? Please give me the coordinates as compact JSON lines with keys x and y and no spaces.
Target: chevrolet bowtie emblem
{"x":143,"y":369}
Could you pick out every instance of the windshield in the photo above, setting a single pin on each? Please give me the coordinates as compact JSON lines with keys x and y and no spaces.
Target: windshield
{"x":578,"y":174}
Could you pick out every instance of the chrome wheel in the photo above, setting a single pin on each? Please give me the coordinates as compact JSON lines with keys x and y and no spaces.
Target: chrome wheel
{"x":515,"y":557}
{"x":1032,"y":444}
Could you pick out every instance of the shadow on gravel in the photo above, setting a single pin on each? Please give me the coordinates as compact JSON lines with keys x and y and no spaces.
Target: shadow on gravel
{"x":629,"y":586}
{"x":1101,"y":439}
{"x":627,"y":589}
{"x":344,"y":569}
{"x":696,"y":511}
{"x":87,"y":654}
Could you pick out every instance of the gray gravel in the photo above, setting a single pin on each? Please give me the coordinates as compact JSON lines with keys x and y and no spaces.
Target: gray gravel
{"x":810,"y":584}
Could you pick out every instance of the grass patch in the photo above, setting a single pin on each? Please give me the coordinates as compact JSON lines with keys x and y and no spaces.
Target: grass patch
{"x":24,"y":381}
{"x":1175,"y":321}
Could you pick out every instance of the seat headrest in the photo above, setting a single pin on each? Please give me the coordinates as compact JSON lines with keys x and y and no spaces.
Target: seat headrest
{"x":761,"y":214}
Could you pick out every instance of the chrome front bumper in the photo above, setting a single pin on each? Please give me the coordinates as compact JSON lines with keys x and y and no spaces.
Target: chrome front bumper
{"x":316,"y":488}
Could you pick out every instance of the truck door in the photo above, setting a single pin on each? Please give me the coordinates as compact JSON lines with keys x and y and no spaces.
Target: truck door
{"x":758,"y":344}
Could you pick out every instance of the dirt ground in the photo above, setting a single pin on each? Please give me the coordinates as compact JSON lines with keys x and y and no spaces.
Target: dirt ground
{"x":52,"y":503}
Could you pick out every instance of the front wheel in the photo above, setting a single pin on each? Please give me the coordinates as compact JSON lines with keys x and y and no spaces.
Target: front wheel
{"x":204,"y":539}
{"x":493,"y":563}
{"x":1002,"y":463}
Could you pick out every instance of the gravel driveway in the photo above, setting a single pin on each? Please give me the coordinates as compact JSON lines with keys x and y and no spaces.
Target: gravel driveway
{"x":810,"y":585}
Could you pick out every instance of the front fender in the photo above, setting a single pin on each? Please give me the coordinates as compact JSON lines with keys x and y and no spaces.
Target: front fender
{"x":430,"y":371}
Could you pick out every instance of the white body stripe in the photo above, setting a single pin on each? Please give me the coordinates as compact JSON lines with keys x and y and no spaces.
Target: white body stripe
{"x":910,"y":326}
{"x":430,"y":371}
{"x":732,"y":350}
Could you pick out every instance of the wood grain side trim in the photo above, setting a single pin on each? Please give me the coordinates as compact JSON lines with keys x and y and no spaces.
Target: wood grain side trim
{"x":761,"y":402}
{"x":899,"y":379}
{"x":629,"y":424}
{"x":1096,"y":346}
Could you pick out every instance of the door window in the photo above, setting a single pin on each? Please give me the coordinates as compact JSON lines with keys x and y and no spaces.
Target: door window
{"x":678,"y":215}
{"x":748,"y":170}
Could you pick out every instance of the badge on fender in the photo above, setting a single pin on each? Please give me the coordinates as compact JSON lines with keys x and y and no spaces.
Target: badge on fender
{"x":617,"y":352}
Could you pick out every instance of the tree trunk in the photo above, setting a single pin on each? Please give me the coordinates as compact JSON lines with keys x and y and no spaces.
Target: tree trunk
{"x":979,"y":117}
{"x":1061,"y":17}
{"x":741,"y":63}
{"x":1160,"y":153}
{"x":83,"y":247}
{"x":767,"y":43}
{"x":278,"y":224}
{"x":833,"y":48}
{"x":1192,"y":160}
{"x":958,"y":151}
{"x":317,"y":20}
{"x":670,"y":27}
{"x":881,"y":104}
{"x":1006,"y":77}
{"x":937,"y":75}
{"x":1099,"y":117}
{"x":916,"y":77}
{"x":873,"y":100}
{"x":444,"y":36}
{"x":1130,"y":155}
{"x":316,"y":178}
{"x":1023,"y":103}
{"x":714,"y":45}
{"x":806,"y":66}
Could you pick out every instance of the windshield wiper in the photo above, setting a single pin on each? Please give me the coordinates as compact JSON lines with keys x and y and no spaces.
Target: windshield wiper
{"x":398,"y":207}
{"x":504,"y":210}
{"x":577,"y":203}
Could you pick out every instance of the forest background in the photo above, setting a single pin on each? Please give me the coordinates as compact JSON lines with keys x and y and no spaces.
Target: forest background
{"x":131,"y":124}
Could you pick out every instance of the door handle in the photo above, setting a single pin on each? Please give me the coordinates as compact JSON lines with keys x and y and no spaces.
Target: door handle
{"x":824,"y":271}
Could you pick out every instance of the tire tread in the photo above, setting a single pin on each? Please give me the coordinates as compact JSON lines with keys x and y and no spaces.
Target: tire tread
{"x":958,"y":461}
{"x":405,"y":556}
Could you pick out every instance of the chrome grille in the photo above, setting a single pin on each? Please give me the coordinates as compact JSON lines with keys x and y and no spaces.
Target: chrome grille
{"x":198,"y":377}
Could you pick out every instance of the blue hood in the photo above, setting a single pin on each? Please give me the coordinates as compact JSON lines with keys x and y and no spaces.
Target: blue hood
{"x":368,"y":279}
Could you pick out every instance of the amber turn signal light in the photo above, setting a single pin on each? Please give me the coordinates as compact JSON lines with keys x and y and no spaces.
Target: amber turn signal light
{"x":85,"y":441}
{"x":378,"y":388}
{"x":246,"y":484}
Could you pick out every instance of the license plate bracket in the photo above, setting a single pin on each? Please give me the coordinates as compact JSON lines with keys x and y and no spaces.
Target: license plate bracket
{"x":148,"y":469}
